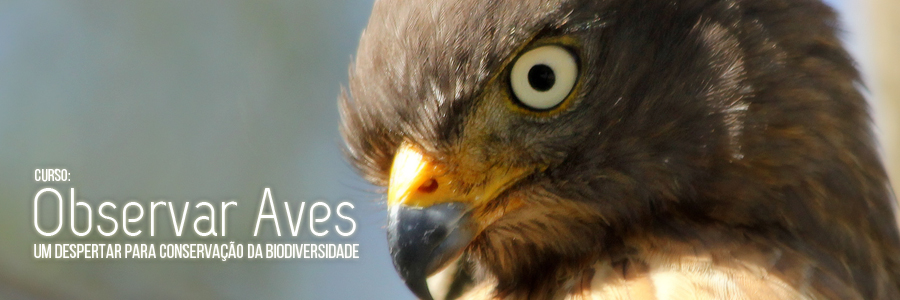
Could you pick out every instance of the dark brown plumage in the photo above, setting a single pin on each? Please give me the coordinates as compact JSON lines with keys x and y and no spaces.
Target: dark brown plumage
{"x":709,"y":149}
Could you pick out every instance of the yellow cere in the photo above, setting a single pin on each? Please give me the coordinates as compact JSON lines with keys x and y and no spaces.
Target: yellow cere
{"x":409,"y":170}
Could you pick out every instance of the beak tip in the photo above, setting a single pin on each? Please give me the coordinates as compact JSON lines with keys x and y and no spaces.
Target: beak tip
{"x":422,"y":240}
{"x":419,"y":287}
{"x":412,"y":270}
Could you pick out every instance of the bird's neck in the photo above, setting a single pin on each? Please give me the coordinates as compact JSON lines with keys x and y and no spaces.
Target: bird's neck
{"x":684,"y":261}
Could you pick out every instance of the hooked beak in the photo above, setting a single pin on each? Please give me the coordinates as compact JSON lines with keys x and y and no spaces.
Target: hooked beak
{"x":424,"y":240}
{"x":430,"y":223}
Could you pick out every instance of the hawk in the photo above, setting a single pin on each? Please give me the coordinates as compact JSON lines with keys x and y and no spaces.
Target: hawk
{"x":621,"y":149}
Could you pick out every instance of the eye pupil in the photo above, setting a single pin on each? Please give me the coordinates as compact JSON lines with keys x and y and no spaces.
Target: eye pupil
{"x":541,"y":77}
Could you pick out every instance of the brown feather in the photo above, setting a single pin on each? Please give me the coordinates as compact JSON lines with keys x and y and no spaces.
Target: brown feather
{"x":715,"y":148}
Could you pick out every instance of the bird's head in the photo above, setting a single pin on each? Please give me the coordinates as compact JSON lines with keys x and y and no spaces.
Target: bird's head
{"x":526,"y":133}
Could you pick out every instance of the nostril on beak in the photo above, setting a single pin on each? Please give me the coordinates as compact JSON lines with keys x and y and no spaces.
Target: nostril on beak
{"x":429,"y":186}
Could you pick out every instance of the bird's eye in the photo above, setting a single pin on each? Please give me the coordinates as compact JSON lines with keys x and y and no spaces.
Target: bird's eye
{"x":543,"y":77}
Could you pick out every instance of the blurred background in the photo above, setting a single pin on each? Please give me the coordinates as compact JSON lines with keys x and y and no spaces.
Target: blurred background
{"x":214,"y":101}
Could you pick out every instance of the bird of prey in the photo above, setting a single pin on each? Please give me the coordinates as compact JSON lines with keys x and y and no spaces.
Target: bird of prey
{"x":621,"y":149}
